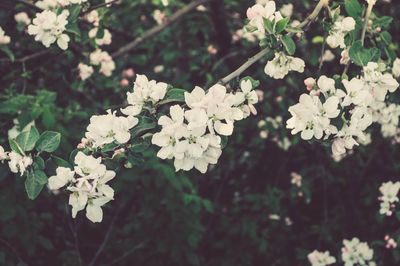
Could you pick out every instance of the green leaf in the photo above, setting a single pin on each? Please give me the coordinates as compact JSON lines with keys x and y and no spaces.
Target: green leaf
{"x":145,"y":124}
{"x":74,"y":29}
{"x":8,"y":52}
{"x":269,"y":26}
{"x":15,"y":147}
{"x":289,"y":44}
{"x":38,"y":163}
{"x":28,"y":139}
{"x":353,"y":8}
{"x":386,"y":37}
{"x":361,"y":56}
{"x":34,"y":183}
{"x":281,"y":25}
{"x":318,"y":40}
{"x":174,"y":95}
{"x":48,"y":141}
{"x":109,"y":147}
{"x":383,"y":22}
{"x":74,"y":11}
{"x":60,"y":162}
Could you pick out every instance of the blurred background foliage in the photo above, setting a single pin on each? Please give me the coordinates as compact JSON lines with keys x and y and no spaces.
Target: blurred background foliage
{"x":244,"y":211}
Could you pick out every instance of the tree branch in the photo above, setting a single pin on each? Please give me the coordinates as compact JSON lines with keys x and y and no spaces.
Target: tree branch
{"x":174,"y":18}
{"x":321,"y":4}
{"x":98,"y":6}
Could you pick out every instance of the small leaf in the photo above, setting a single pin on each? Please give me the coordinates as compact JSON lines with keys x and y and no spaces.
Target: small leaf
{"x":289,"y":44}
{"x":269,"y":26}
{"x":281,"y":25}
{"x":353,"y":8}
{"x":38,"y":163}
{"x":60,"y":162}
{"x":28,"y":139}
{"x":145,"y":124}
{"x":74,"y":11}
{"x":8,"y":52}
{"x":48,"y":141}
{"x":174,"y":95}
{"x":74,"y":29}
{"x":15,"y":147}
{"x":34,"y":183}
{"x":386,"y":37}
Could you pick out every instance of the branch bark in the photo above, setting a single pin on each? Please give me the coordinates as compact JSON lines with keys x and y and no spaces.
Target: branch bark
{"x":174,"y":18}
{"x":321,"y":4}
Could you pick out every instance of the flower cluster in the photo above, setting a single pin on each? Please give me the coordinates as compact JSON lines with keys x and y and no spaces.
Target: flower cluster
{"x":4,"y":39}
{"x":355,"y":252}
{"x":145,"y":91}
{"x":17,"y":163}
{"x":270,"y":128}
{"x":52,"y":4}
{"x":22,"y":18}
{"x":106,"y":39}
{"x":193,"y":137}
{"x":361,"y":103}
{"x":388,"y":198}
{"x":48,"y":27}
{"x":258,"y":13}
{"x":109,"y":128}
{"x":318,"y":258}
{"x":341,"y":27}
{"x":87,"y":183}
{"x":281,"y":64}
{"x":104,"y":60}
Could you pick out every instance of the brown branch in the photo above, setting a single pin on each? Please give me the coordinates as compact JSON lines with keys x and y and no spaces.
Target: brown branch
{"x":172,"y":19}
{"x":29,"y":4}
{"x":105,"y":240}
{"x":26,"y":58}
{"x":321,"y":4}
{"x":98,"y":6}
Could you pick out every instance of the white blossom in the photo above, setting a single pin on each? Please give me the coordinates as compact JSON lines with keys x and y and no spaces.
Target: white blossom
{"x":87,"y":183}
{"x":396,"y":68}
{"x":311,"y":117}
{"x":318,"y":258}
{"x":145,"y":91}
{"x":339,"y":30}
{"x":85,"y":71}
{"x":102,"y":58}
{"x":3,"y":154}
{"x":389,"y":196}
{"x":48,"y":27}
{"x":23,"y":18}
{"x":377,"y":82}
{"x":63,"y":176}
{"x":286,"y":10}
{"x":355,"y":252}
{"x":93,"y":18}
{"x":105,"y":129}
{"x":4,"y":39}
{"x":187,"y":142}
{"x":257,"y":13}
{"x":105,"y":40}
{"x":159,"y":16}
{"x":19,"y":163}
{"x":357,"y":93}
{"x":281,"y":64}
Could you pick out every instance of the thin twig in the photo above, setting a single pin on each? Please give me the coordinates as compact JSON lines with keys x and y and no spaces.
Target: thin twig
{"x":371,"y":4}
{"x":321,"y":4}
{"x":126,"y":254}
{"x":174,"y":18}
{"x":26,"y":58}
{"x":14,"y":250}
{"x":72,"y":227}
{"x":27,"y":3}
{"x":105,"y":240}
{"x":98,"y":6}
